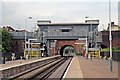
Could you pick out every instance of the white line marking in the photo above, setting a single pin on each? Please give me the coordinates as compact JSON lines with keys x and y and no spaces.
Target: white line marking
{"x":67,"y":69}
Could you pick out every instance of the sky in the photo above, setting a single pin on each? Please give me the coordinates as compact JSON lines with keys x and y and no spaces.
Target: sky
{"x":16,"y":12}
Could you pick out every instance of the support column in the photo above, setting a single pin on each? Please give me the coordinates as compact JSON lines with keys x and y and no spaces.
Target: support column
{"x":48,"y":47}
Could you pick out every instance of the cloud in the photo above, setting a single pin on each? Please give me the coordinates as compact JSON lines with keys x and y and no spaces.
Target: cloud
{"x":59,"y":0}
{"x":16,"y":13}
{"x":0,"y":13}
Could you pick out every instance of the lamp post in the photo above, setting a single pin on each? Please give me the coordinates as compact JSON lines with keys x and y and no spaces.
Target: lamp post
{"x":90,"y":34}
{"x":26,"y":34}
{"x":90,"y":29}
{"x":95,"y":37}
{"x":86,"y":44}
{"x":54,"y":45}
{"x":43,"y":42}
{"x":110,"y":36}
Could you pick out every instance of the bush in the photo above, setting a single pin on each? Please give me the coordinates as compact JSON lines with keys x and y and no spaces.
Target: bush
{"x":114,"y":49}
{"x":78,"y":53}
{"x":105,"y":50}
{"x":115,"y":53}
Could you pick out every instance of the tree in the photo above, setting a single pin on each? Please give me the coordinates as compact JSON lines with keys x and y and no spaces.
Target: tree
{"x":6,"y":41}
{"x":0,"y":39}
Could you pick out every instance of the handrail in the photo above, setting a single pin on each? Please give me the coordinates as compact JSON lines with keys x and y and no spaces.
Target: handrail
{"x":65,"y":33}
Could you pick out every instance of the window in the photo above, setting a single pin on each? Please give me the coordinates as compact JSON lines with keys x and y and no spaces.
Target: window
{"x":65,"y":30}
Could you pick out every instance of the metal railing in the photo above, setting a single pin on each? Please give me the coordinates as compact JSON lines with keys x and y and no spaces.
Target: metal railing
{"x":19,"y":34}
{"x":59,"y":34}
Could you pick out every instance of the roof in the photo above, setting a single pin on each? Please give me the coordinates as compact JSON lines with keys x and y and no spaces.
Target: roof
{"x":115,"y":26}
{"x":64,"y":24}
{"x":44,"y":21}
{"x":65,"y":28}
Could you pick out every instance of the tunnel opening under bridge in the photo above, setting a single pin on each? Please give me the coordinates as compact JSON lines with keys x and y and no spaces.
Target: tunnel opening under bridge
{"x":67,"y":50}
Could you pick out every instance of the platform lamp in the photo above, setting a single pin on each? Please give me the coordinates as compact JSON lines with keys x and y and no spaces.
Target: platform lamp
{"x":90,"y":28}
{"x":110,"y":36}
{"x":91,"y":33}
{"x":26,"y":34}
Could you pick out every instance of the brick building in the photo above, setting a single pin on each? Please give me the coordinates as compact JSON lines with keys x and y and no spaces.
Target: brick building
{"x":67,"y":34}
{"x":61,"y":44}
{"x":115,"y":29}
{"x":115,"y":38}
{"x":8,"y":28}
{"x":18,"y":40}
{"x":17,"y":45}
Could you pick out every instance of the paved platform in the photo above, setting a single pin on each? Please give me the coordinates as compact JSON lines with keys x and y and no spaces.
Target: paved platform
{"x":74,"y":70}
{"x":97,"y":68}
{"x":15,"y":63}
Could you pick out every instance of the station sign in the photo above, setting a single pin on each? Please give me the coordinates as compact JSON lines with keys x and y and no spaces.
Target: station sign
{"x":81,"y":38}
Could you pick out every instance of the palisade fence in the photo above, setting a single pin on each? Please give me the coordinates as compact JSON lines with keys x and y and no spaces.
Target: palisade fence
{"x":8,"y":56}
{"x":115,"y":55}
{"x":21,"y":35}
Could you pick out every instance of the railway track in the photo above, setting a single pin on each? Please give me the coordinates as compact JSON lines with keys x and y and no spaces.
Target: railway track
{"x":44,"y":71}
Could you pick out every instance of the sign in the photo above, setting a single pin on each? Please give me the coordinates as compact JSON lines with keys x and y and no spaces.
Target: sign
{"x":80,"y":43}
{"x":42,"y":48}
{"x":81,"y":38}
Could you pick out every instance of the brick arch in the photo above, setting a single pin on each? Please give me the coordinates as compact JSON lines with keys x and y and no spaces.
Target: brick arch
{"x":62,"y":43}
{"x":62,"y":48}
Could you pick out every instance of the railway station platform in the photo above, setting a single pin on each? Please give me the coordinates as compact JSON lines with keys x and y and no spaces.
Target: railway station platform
{"x":15,"y":63}
{"x":18,"y":66}
{"x":79,"y":67}
{"x":74,"y":69}
{"x":83,"y":68}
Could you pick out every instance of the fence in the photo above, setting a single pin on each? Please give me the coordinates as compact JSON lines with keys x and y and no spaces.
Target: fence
{"x":8,"y":56}
{"x":115,"y":55}
{"x":80,"y":33}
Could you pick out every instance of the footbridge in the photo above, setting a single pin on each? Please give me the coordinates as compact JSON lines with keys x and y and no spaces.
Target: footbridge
{"x":57,"y":36}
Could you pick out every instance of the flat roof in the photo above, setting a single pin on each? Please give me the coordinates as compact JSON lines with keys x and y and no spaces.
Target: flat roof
{"x":65,"y":24}
{"x":65,"y":28}
{"x":43,"y":21}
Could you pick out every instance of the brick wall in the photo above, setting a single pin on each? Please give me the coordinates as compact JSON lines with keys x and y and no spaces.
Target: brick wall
{"x":17,"y":45}
{"x":115,"y":38}
{"x":62,"y":43}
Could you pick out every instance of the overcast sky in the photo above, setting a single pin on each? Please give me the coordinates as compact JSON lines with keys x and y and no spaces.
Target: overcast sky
{"x":16,"y":13}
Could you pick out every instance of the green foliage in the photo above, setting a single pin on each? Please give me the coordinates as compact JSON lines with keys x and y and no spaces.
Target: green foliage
{"x":6,"y":41}
{"x":0,"y":48}
{"x":79,"y":53}
{"x":114,"y":49}
{"x":0,"y":39}
{"x":105,"y":50}
{"x":37,"y":30}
